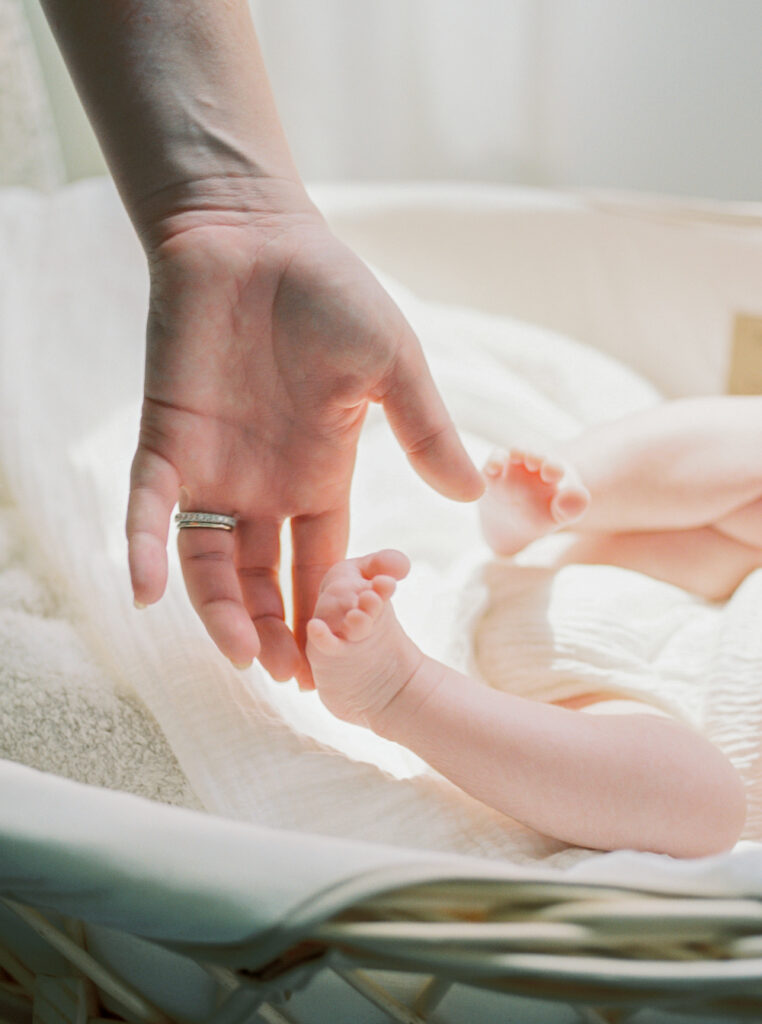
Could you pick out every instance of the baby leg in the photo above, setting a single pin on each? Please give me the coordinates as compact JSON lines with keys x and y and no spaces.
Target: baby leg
{"x":607,"y":782}
{"x":702,"y":561}
{"x":687,"y":464}
{"x":692,"y":462}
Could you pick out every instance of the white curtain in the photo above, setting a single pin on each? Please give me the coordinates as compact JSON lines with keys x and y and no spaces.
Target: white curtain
{"x":29,"y":152}
{"x":653,"y":95}
{"x":660,"y":95}
{"x":432,"y":88}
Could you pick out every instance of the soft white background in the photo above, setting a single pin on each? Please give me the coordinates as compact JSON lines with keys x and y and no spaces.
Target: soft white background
{"x":655,"y":95}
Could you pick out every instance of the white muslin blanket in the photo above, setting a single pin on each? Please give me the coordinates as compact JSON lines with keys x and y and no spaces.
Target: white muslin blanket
{"x":73,"y":294}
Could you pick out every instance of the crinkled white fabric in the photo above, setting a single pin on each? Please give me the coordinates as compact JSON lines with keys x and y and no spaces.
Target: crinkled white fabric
{"x":552,"y":634}
{"x":73,"y":299}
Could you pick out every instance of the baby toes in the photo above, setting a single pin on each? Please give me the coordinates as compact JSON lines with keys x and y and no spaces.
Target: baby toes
{"x":496,"y":463}
{"x":370,"y":602}
{"x":357,"y":625}
{"x":533,"y":462}
{"x":332,"y":607}
{"x":551,"y":472}
{"x":569,"y":505}
{"x":321,"y":637}
{"x":388,"y":562}
{"x":384,"y":586}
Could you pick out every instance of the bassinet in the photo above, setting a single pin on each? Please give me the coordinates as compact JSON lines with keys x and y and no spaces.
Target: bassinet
{"x":120,"y":908}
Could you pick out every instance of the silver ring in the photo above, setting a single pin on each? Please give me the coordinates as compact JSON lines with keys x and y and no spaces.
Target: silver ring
{"x":207,"y":520}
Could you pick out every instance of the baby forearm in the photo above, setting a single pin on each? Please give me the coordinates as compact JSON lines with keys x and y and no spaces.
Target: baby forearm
{"x":176,"y":91}
{"x":608,"y":782}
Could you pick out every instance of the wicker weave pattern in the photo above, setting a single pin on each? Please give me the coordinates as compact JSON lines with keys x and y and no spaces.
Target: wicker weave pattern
{"x":608,"y":952}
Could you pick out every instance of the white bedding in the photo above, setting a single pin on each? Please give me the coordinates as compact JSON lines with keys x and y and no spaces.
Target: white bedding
{"x":72,"y":301}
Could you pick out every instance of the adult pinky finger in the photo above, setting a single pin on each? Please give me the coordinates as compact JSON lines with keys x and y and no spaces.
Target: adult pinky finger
{"x":154,"y":484}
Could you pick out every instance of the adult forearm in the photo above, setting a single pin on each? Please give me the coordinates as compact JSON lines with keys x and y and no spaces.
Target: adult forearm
{"x":606,"y":782}
{"x":178,"y":96}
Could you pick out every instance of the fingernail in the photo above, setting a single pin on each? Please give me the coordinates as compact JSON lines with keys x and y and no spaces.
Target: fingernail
{"x":139,"y":605}
{"x":241,"y":667}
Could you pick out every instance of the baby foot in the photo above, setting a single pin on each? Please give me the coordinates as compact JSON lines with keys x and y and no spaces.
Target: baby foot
{"x":527,"y":496}
{"x":359,"y":654}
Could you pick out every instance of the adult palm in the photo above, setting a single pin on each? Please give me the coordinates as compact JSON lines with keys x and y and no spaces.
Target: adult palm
{"x":267,"y":338}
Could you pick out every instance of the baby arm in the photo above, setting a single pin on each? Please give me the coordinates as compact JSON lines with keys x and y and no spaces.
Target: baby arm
{"x":635,"y":781}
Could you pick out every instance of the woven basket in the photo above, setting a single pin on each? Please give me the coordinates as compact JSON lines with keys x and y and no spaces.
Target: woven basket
{"x":605,"y":952}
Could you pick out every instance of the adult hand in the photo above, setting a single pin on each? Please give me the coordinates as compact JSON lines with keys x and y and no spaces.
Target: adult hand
{"x":267,"y":339}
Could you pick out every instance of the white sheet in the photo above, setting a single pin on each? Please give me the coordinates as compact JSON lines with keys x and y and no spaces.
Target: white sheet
{"x":73,"y":295}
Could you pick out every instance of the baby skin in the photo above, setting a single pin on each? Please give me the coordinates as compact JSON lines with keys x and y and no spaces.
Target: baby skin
{"x":638,"y":780}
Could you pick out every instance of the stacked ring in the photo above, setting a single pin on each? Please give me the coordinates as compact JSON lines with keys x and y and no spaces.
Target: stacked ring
{"x":207,"y":520}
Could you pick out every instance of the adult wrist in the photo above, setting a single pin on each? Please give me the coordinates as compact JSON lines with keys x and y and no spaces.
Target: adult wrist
{"x":178,"y":95}
{"x":222,"y":199}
